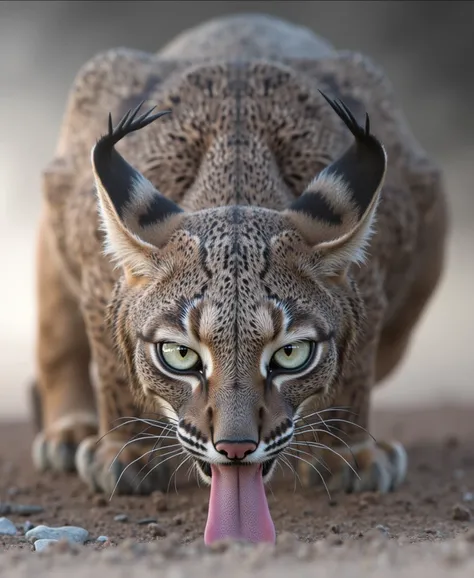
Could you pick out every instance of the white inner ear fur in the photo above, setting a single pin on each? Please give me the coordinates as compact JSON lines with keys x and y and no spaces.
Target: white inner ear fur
{"x":129,"y":245}
{"x":350,"y":247}
{"x":141,"y":195}
{"x":126,"y":249}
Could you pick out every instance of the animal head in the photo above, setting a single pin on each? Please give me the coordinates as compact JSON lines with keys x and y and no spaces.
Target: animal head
{"x":233,"y":319}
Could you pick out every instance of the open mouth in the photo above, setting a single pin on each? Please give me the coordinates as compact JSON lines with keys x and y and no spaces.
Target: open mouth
{"x":266,"y":466}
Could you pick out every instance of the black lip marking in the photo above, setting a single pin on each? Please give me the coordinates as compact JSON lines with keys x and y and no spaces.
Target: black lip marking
{"x":279,"y":442}
{"x":185,"y":440}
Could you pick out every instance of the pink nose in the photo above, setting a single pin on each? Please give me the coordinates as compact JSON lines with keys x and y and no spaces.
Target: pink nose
{"x":236,"y":450}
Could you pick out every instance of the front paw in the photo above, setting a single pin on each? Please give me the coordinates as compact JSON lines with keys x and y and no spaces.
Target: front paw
{"x":369,"y":466}
{"x":115,"y":466}
{"x":55,"y":447}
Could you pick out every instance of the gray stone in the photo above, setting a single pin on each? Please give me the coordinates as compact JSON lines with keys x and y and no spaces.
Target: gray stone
{"x":145,"y":521}
{"x":102,"y":539}
{"x":44,"y":543}
{"x":26,"y":510}
{"x":7,"y":527}
{"x":73,"y":534}
{"x":121,"y":518}
{"x":19,"y":509}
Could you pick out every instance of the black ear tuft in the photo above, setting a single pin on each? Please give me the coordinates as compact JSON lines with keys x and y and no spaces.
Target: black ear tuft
{"x":129,"y":124}
{"x":355,"y":177}
{"x":344,"y":113}
{"x":126,"y":188}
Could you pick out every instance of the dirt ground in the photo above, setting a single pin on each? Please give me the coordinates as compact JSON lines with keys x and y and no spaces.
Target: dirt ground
{"x":414,"y":529}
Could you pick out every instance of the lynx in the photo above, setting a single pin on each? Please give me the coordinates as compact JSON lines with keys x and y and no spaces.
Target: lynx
{"x":228,"y":269}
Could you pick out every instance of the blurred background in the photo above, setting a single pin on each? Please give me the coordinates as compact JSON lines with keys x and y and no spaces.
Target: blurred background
{"x":427,"y":51}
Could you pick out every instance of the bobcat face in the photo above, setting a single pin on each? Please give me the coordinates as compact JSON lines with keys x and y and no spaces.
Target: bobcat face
{"x":234,"y":318}
{"x":237,"y":331}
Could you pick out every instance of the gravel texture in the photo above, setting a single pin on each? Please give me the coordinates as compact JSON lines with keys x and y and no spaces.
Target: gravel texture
{"x":425,"y":527}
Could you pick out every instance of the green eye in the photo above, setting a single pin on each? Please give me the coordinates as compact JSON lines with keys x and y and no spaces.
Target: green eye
{"x":179,"y":357}
{"x":293,"y":356}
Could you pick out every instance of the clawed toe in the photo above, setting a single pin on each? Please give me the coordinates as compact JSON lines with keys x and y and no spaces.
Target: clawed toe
{"x":55,"y":448}
{"x":378,"y":467}
{"x":106,"y":467}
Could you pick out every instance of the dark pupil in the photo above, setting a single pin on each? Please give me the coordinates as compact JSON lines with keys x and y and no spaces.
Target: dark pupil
{"x":288,"y":349}
{"x":183,"y":351}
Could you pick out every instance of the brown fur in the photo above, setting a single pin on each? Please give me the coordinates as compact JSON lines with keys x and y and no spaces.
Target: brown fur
{"x":248,"y":134}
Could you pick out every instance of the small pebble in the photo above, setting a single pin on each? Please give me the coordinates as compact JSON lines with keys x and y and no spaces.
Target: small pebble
{"x":72,"y":534}
{"x":468,"y":497}
{"x":7,"y":527}
{"x":102,"y":539}
{"x":157,"y":530}
{"x":27,"y":526}
{"x":461,"y":514}
{"x":19,"y":509}
{"x":382,"y":529}
{"x":145,"y":521}
{"x":121,"y":518}
{"x":24,"y":510}
{"x":44,"y":543}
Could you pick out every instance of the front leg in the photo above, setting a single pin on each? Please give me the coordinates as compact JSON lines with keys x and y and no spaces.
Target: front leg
{"x":132,"y":452}
{"x":354,"y":461}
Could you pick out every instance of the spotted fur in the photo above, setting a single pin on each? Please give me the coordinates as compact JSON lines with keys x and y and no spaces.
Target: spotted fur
{"x":283,"y":198}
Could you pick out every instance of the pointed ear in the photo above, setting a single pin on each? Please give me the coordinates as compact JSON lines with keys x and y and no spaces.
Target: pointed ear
{"x":336,"y":212}
{"x":136,"y":218}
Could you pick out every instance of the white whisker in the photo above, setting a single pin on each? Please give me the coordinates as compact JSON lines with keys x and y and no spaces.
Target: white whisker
{"x":315,"y":431}
{"x":131,"y":464}
{"x":174,"y":474}
{"x":321,"y":463}
{"x":292,"y":470}
{"x":329,"y":449}
{"x":314,"y":468}
{"x":174,"y":455}
{"x":152,"y":459}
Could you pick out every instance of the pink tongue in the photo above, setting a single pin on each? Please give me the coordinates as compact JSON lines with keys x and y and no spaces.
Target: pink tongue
{"x":238,"y":507}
